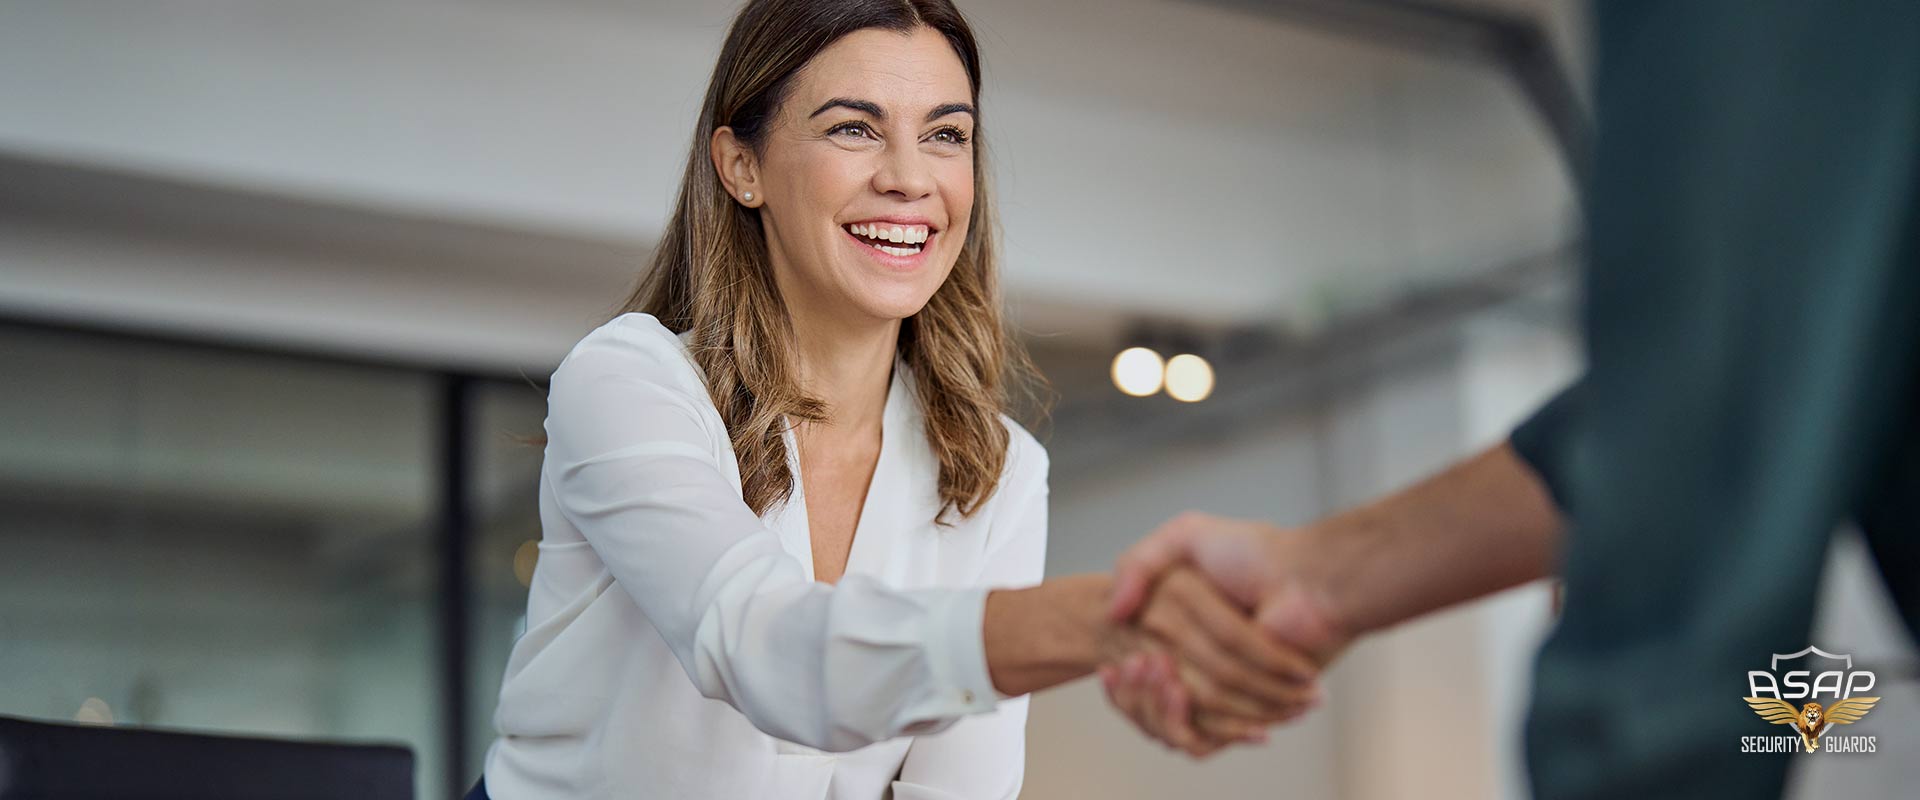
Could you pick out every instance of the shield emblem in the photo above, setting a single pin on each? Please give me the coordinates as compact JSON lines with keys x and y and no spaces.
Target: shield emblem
{"x":1807,"y":678}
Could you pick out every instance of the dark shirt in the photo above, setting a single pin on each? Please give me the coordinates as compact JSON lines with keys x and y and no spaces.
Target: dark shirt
{"x":1752,"y":308}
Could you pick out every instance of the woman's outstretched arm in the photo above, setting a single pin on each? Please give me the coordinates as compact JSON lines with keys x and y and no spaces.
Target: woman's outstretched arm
{"x":632,"y":465}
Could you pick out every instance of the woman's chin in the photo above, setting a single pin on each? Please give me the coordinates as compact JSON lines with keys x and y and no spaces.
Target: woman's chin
{"x":891,"y":299}
{"x":893,"y":312}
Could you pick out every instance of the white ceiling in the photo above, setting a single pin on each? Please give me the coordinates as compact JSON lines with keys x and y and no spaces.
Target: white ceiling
{"x":1161,"y":158}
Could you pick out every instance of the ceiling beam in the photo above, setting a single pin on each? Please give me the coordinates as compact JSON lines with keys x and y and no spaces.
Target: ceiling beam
{"x":1518,"y":43}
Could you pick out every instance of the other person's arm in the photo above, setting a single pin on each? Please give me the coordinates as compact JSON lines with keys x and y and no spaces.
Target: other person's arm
{"x":1484,"y":524}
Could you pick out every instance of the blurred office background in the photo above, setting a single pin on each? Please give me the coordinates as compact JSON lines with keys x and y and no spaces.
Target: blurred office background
{"x":281,"y":283}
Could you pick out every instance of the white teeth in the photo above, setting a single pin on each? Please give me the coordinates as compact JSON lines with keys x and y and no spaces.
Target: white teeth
{"x":902,"y":234}
{"x":897,"y":251}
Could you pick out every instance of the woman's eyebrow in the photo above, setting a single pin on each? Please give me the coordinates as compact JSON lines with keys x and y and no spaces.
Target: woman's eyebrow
{"x":865,"y":106}
{"x":872,"y":109}
{"x":951,"y":108}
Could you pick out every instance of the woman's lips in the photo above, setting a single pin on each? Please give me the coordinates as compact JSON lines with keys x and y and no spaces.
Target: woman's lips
{"x":891,"y":254}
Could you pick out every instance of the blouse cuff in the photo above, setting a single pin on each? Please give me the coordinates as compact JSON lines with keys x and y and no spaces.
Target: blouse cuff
{"x":959,"y":654}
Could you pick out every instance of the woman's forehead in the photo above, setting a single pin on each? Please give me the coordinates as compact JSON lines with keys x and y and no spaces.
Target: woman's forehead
{"x":913,"y":72}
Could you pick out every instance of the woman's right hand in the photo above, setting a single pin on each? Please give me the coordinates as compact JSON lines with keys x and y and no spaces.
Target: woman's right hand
{"x":1198,"y":673}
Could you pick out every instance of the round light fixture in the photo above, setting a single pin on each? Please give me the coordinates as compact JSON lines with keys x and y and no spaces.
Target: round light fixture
{"x":1138,"y":371}
{"x":1189,"y":378}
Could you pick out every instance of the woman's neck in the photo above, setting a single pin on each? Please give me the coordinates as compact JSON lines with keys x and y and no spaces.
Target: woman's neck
{"x":849,"y":367}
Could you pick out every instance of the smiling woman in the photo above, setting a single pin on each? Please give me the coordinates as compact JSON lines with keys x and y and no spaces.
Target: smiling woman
{"x":792,"y":546}
{"x":828,"y":155}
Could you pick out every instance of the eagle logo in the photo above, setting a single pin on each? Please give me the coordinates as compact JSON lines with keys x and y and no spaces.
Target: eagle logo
{"x":1810,"y":720}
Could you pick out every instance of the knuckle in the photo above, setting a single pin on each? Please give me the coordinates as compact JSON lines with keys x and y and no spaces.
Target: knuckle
{"x":1285,"y":664}
{"x":1280,"y":673}
{"x":1273,"y":680}
{"x":1203,"y":693}
{"x":1209,"y":695}
{"x":1221,"y":728}
{"x":1161,"y":621}
{"x":1259,"y":686}
{"x":1281,"y":664}
{"x":1281,"y":702}
{"x":1253,"y":645}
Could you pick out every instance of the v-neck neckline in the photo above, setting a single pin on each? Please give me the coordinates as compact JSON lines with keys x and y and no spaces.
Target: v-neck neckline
{"x":865,"y":552}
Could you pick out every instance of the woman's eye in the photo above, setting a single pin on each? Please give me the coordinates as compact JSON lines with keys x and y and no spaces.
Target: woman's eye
{"x":950,"y":136}
{"x":851,"y":128}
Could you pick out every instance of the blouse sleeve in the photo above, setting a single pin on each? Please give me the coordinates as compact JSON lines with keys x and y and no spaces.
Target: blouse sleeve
{"x":984,"y":757}
{"x":633,"y":467}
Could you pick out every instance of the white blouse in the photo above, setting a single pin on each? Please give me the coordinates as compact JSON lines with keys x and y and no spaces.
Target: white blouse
{"x":677,"y":644}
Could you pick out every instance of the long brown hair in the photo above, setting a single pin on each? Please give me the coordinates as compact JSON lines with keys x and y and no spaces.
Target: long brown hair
{"x":711,"y":273}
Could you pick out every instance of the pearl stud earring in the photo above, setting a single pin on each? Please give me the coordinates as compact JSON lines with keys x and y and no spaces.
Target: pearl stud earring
{"x":748,"y":197}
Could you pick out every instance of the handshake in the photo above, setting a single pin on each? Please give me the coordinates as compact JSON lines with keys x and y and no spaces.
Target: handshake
{"x":1218,"y":629}
{"x":1213,"y":629}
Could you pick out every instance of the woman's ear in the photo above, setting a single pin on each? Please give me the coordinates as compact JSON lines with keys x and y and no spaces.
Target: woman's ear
{"x":739,"y":171}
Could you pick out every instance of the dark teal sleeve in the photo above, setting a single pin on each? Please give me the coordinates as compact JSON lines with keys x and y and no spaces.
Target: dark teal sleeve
{"x":1545,"y":442}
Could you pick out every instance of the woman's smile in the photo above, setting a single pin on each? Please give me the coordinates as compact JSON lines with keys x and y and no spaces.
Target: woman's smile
{"x":897,"y":243}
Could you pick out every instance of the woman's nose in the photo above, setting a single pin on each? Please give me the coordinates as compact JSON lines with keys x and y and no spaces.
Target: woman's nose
{"x":903,"y":171}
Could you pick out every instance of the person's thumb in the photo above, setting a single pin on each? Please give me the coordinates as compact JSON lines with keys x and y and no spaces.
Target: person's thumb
{"x":1129,"y":590}
{"x":1136,"y":570}
{"x":1302,"y":618}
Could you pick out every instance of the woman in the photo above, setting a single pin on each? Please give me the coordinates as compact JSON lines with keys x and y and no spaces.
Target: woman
{"x":784,"y":515}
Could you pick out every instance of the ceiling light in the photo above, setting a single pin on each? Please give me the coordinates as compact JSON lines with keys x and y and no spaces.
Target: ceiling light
{"x":1138,"y":371}
{"x":1189,"y":378}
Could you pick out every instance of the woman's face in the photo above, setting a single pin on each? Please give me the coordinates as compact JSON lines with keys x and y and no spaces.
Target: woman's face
{"x":866,"y":176}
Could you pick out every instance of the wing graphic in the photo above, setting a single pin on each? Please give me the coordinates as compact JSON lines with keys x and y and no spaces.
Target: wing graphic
{"x":1850,"y":710}
{"x":1775,"y":710}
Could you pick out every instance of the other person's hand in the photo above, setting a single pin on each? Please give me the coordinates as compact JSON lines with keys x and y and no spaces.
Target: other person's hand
{"x":1195,"y":671}
{"x":1269,"y":572}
